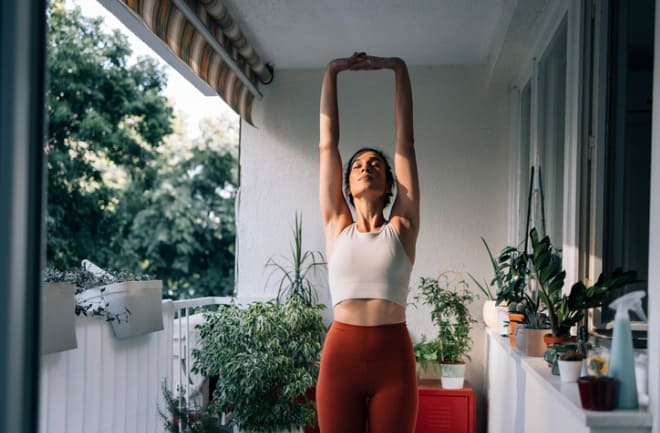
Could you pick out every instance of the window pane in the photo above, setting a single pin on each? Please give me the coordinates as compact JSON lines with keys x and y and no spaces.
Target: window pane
{"x":525,"y":143}
{"x":552,"y":97}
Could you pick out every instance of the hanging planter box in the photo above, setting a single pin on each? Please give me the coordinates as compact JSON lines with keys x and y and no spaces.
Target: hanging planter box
{"x":58,"y":323}
{"x":133,"y":307}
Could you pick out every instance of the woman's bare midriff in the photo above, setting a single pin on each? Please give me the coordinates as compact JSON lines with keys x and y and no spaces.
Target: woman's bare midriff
{"x":369,"y":312}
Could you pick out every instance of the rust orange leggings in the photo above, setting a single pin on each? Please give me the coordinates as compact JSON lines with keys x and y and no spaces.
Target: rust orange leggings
{"x":367,"y":377}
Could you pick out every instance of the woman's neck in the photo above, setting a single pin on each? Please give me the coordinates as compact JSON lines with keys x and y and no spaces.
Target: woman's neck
{"x":369,"y":217}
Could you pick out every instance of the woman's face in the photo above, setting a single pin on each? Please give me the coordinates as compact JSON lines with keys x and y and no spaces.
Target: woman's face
{"x":368,"y":176}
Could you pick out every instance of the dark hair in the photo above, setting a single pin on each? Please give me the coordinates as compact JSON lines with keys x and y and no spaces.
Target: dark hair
{"x":389,"y":175}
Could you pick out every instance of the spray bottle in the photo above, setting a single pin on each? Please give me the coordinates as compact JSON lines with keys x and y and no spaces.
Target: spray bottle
{"x":622,"y":358}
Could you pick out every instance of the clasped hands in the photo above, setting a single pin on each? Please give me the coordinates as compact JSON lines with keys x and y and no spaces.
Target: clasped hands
{"x":364,"y":62}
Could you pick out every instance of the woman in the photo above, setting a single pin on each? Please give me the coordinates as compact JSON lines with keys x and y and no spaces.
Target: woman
{"x":367,"y":373}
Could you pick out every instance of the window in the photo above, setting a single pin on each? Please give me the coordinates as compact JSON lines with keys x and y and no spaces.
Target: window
{"x":551,"y":127}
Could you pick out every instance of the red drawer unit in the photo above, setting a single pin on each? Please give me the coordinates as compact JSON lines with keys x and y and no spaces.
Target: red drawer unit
{"x":445,"y":410}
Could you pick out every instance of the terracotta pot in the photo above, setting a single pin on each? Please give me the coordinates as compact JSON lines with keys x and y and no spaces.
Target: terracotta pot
{"x":514,"y":319}
{"x":530,"y":341}
{"x":550,"y":339}
{"x":597,"y":393}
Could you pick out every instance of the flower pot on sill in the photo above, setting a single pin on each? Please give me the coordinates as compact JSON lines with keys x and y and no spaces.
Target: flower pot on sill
{"x":489,"y":312}
{"x":58,"y":321}
{"x":569,"y":371}
{"x":550,"y":339}
{"x":514,"y":320}
{"x":452,"y":375}
{"x":137,"y":304}
{"x":530,"y":341}
{"x":503,"y":320}
{"x":597,"y":393}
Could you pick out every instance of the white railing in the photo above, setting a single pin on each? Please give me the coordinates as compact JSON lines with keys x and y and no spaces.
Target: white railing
{"x":108,"y":385}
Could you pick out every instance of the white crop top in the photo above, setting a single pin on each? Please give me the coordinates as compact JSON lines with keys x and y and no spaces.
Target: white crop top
{"x":369,"y":266}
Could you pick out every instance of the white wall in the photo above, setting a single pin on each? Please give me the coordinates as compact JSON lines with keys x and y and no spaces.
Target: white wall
{"x":461,"y":132}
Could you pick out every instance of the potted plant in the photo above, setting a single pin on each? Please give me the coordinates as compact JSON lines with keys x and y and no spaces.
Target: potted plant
{"x":182,"y":418}
{"x":511,"y":275}
{"x":490,"y":311}
{"x":566,"y":310}
{"x":267,"y":355}
{"x":449,"y":297}
{"x":58,"y":326}
{"x":426,"y":359}
{"x":116,"y":296}
{"x":529,"y":334}
{"x":570,"y":365}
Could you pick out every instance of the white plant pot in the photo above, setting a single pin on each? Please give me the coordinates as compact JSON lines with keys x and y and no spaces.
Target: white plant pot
{"x":569,"y":371}
{"x":503,"y":320}
{"x":490,"y":314}
{"x":452,"y":376}
{"x":137,"y":303}
{"x":58,"y":321}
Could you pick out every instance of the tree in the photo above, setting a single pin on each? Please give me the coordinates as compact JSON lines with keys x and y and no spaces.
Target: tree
{"x":106,"y":118}
{"x":123,"y":191}
{"x":186,"y":229}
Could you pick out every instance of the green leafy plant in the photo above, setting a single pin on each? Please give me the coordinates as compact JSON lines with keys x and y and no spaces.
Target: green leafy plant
{"x":449,"y":297}
{"x":181,"y":418}
{"x":426,"y":351}
{"x":267,"y":358}
{"x":295,"y":270}
{"x":563,"y":310}
{"x":268,"y":354}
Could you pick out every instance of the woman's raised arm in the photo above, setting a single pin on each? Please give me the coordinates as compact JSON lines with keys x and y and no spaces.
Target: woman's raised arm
{"x":334,"y":210}
{"x":406,"y":205}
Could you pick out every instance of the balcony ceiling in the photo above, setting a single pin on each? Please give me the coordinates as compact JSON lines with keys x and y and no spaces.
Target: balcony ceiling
{"x":307,"y":33}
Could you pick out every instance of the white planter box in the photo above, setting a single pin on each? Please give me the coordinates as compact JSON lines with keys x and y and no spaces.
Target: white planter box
{"x":58,"y":321}
{"x":142,"y":300}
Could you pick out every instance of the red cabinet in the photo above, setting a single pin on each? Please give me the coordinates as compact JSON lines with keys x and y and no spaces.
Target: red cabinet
{"x":445,"y":410}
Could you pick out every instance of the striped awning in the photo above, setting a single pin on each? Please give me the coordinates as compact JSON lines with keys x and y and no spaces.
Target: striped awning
{"x":203,"y":34}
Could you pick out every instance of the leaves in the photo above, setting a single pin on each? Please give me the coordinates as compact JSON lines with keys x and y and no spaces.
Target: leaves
{"x":122,"y":189}
{"x":449,"y":297}
{"x":267,"y":358}
{"x":294,"y":271}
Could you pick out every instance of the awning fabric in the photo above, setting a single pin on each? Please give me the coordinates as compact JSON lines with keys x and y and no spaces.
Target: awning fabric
{"x":167,"y":22}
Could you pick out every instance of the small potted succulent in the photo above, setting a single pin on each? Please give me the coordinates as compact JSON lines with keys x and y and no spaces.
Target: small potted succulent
{"x":570,"y":365}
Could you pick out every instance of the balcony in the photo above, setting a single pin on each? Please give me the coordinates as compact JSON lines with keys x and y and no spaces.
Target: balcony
{"x":107,"y":385}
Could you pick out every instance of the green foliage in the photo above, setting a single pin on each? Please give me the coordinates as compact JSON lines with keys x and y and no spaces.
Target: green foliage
{"x":267,"y":358}
{"x":122,"y":190}
{"x":295,"y":270}
{"x":185,"y":228}
{"x":183,"y":419}
{"x":105,"y":117}
{"x":564,"y":310}
{"x":426,"y":351}
{"x":449,"y":298}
